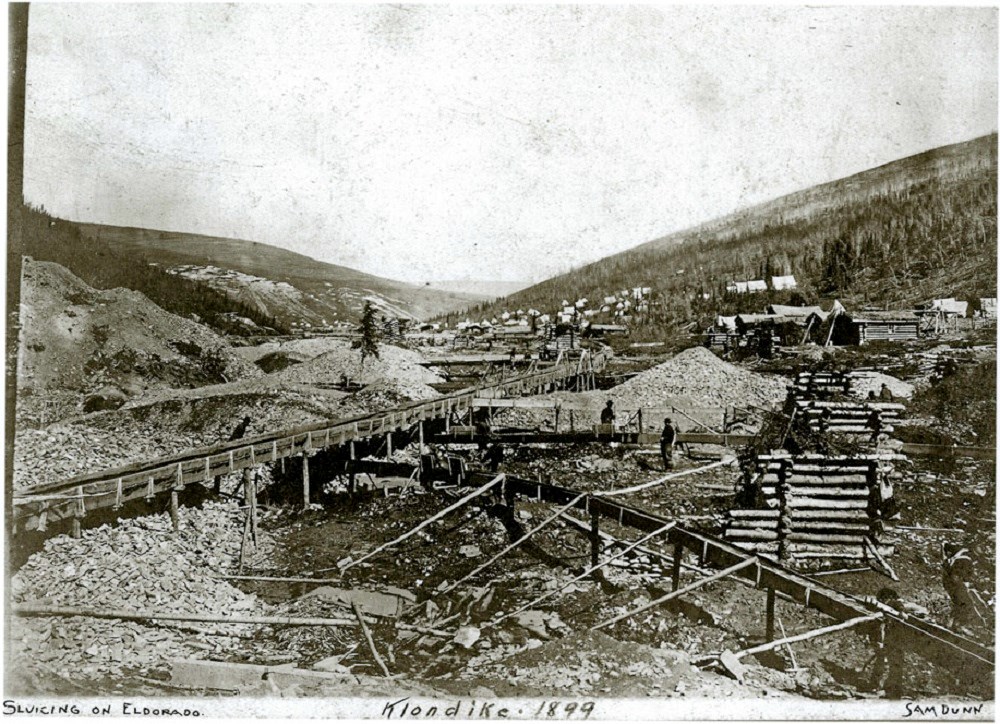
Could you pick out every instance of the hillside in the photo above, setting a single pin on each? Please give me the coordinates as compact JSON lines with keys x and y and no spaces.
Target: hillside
{"x":282,"y":284}
{"x":86,"y":349}
{"x":46,"y":238}
{"x":895,"y":235}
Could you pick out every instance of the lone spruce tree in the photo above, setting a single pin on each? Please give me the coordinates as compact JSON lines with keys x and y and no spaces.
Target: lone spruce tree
{"x":369,"y":333}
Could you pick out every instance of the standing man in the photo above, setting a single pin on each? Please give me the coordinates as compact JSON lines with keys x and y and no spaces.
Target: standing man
{"x":889,"y":661}
{"x":667,"y":439}
{"x":608,"y":413}
{"x":494,"y":456}
{"x":241,"y":429}
{"x":958,"y":573}
{"x":875,"y":424}
{"x":885,"y":394}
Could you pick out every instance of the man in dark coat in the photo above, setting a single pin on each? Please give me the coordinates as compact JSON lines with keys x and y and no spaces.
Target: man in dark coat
{"x":958,"y":573}
{"x":667,"y":439}
{"x":889,"y":660}
{"x":875,"y":424}
{"x":885,"y":394}
{"x":608,"y":413}
{"x":241,"y":429}
{"x":494,"y":456}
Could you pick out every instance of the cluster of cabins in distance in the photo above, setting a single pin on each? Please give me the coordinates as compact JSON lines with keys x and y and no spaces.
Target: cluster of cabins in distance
{"x":776,"y":325}
{"x":784,"y":325}
{"x":583,"y":318}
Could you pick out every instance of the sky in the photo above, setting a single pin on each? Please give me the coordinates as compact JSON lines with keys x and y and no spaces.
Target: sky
{"x":443,"y":142}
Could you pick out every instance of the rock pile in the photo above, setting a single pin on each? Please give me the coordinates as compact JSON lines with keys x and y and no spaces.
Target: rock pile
{"x":141,"y":564}
{"x":697,"y":378}
{"x":393,"y":363}
{"x":864,"y":382}
{"x":386,"y":394}
{"x":78,"y":339}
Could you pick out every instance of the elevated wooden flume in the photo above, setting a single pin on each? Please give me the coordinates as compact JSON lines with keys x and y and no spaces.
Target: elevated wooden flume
{"x":40,"y":505}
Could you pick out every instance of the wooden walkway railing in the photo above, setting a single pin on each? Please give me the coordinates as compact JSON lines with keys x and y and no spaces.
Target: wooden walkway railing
{"x":40,"y":505}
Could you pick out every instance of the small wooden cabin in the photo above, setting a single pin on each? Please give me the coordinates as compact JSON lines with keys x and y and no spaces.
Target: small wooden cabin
{"x":881,"y":326}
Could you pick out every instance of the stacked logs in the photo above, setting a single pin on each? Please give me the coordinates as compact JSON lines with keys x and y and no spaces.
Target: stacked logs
{"x":847,"y":417}
{"x":820,"y":385}
{"x":815,"y":507}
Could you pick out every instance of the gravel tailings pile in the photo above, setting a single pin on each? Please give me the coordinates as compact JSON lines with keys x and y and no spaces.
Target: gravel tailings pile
{"x":697,"y":378}
{"x":865,"y":382}
{"x":393,"y":363}
{"x":200,"y":418}
{"x":79,"y":340}
{"x":109,"y":439}
{"x":139,"y":564}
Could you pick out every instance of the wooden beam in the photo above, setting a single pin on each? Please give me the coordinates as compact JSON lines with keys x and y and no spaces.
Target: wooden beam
{"x":32,"y":609}
{"x":437,"y":516}
{"x":305,"y":480}
{"x":769,"y":617}
{"x":507,"y":549}
{"x":368,"y":637}
{"x":590,"y":570}
{"x":175,"y":518}
{"x":679,"y":592}
{"x":771,"y":645}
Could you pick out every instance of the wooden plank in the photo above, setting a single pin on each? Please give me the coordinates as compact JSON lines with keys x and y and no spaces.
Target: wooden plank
{"x":771,"y":645}
{"x":675,"y":594}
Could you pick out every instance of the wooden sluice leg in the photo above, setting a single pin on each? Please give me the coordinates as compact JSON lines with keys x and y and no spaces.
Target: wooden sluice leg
{"x":388,"y":446}
{"x":352,"y":482}
{"x":217,"y":483}
{"x":77,"y":530}
{"x":595,"y":538}
{"x":305,"y":480}
{"x":769,"y":621}
{"x":420,"y":437}
{"x":175,"y":518}
{"x":675,"y":576}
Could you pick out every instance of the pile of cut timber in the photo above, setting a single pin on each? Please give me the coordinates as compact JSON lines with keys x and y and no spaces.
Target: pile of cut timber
{"x":820,"y":385}
{"x":847,"y":417}
{"x":815,"y":507}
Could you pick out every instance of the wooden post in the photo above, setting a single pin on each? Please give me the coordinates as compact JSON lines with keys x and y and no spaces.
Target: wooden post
{"x":352,"y":484}
{"x":80,"y":509}
{"x":217,"y":484}
{"x":305,"y":480}
{"x":769,"y":622}
{"x":640,"y":420}
{"x":595,"y":538}
{"x":557,"y":417}
{"x":420,"y":437}
{"x":675,"y":578}
{"x":388,"y":446}
{"x":175,"y":519}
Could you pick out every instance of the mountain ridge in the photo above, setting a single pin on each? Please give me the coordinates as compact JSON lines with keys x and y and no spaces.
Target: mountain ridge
{"x":892,"y":218}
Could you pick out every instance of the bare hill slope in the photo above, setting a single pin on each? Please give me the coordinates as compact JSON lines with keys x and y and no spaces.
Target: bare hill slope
{"x":283,"y":284}
{"x":85,"y":348}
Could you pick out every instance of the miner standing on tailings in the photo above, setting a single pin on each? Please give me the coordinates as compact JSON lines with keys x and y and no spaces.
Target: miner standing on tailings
{"x":958,"y":573}
{"x":241,"y":429}
{"x":667,"y":438}
{"x":608,"y":413}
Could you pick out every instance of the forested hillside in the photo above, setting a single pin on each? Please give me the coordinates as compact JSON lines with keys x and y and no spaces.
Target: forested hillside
{"x":102,"y":267}
{"x":920,"y":227}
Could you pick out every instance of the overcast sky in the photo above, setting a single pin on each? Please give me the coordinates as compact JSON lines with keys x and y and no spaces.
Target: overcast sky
{"x":496,"y":142}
